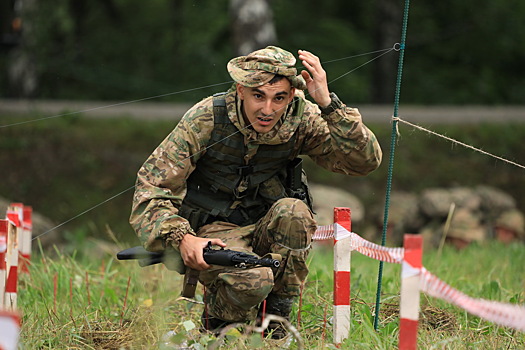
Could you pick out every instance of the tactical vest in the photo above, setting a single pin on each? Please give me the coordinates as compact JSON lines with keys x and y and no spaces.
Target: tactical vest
{"x":212,"y":188}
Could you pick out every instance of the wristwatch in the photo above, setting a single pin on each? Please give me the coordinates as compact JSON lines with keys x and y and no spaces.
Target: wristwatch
{"x":335,"y":103}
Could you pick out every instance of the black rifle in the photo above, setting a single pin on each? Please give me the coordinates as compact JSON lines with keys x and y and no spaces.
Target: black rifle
{"x":227,"y":257}
{"x":223,"y":257}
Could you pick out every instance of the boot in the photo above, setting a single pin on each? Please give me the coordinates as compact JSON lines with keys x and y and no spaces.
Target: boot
{"x":278,"y":305}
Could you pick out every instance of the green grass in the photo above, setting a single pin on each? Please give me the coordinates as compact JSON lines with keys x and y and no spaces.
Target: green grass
{"x":94,"y":308}
{"x":65,"y":166}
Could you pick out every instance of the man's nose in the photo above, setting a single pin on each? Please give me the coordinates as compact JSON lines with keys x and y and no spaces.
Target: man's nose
{"x":267,"y":108}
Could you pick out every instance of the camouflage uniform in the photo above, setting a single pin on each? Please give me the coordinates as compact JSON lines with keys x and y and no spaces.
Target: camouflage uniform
{"x":339,"y":142}
{"x":286,"y":229}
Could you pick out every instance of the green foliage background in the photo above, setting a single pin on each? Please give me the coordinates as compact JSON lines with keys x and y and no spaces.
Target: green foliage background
{"x":457,"y":52}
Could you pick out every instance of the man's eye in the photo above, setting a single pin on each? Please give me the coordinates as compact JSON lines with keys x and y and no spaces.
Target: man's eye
{"x":257,"y":96}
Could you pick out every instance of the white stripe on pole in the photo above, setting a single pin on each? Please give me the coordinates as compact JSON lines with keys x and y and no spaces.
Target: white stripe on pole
{"x":9,"y":330}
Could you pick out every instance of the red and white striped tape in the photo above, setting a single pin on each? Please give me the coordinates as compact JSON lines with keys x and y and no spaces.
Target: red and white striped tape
{"x":9,"y":330}
{"x":372,"y":250}
{"x":15,"y":213}
{"x":509,"y":315}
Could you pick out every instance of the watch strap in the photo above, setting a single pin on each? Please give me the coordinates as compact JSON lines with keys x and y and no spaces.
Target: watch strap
{"x":335,"y":103}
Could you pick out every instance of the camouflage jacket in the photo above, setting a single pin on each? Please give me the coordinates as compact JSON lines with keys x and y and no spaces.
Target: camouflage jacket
{"x":339,"y":142}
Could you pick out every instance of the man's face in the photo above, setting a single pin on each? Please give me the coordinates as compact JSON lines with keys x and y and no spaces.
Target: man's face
{"x":266,"y":104}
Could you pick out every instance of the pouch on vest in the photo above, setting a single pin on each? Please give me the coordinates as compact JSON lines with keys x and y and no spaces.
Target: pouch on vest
{"x":297,"y":183}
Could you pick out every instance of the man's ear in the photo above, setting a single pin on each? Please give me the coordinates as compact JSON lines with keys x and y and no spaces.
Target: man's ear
{"x":240,"y":91}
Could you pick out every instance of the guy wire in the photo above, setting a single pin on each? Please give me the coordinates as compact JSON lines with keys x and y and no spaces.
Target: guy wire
{"x":183,"y":91}
{"x":384,"y":51}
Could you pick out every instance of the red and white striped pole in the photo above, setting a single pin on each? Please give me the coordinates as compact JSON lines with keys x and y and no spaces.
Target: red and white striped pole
{"x":3,"y":249}
{"x":24,"y":239}
{"x":9,"y":330}
{"x":14,"y":216}
{"x":409,"y":303}
{"x":342,"y":249}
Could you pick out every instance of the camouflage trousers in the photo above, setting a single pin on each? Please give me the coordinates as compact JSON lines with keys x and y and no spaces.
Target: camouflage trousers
{"x":233,"y":294}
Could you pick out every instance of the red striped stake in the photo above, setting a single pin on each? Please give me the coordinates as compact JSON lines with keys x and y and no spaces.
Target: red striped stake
{"x":300,"y":307}
{"x":206,"y":307}
{"x":263,"y":315}
{"x":409,"y":303}
{"x":87,"y":289}
{"x":342,"y":249}
{"x":55,"y":290}
{"x":125,"y":302}
{"x":323,"y":335}
{"x":9,"y":330}
{"x":14,"y":216}
{"x":3,"y":249}
{"x":71,"y":297}
{"x":24,"y":243}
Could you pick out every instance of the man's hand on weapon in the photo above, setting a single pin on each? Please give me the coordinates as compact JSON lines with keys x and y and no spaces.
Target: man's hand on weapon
{"x":191,"y":250}
{"x":223,"y":257}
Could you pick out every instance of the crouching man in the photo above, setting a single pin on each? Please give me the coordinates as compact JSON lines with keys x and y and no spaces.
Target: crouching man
{"x":223,"y":176}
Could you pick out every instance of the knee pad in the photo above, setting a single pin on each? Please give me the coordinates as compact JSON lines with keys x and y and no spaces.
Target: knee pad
{"x":292,"y":223}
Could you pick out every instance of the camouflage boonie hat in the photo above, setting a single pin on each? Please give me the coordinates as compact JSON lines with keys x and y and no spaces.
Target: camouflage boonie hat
{"x":259,"y":67}
{"x":512,"y":220}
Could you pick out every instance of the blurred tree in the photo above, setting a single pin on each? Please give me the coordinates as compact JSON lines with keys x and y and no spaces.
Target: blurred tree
{"x":466,"y":52}
{"x":387,"y":30}
{"x":22,"y":79}
{"x":252,"y":25}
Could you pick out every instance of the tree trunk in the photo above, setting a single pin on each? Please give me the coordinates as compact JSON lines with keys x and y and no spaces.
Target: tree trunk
{"x":387,"y":32}
{"x":21,"y":66}
{"x":252,"y":25}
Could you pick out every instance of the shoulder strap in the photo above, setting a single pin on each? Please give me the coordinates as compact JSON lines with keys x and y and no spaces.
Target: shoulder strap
{"x":220,"y":112}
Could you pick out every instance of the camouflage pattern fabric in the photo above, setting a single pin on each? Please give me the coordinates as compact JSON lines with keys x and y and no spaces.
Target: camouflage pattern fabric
{"x":338,"y":142}
{"x":234,"y":294}
{"x":259,"y":67}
